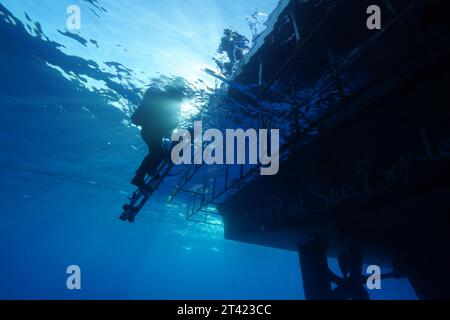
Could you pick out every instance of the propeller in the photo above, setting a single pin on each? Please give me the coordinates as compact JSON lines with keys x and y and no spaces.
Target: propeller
{"x":351,"y":285}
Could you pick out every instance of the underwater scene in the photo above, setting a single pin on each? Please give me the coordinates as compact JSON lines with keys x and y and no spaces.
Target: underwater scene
{"x":224,"y":150}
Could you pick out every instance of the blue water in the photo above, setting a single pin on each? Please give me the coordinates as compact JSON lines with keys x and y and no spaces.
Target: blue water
{"x":67,"y":154}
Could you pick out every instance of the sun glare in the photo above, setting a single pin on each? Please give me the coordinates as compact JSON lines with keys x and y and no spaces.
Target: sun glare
{"x":188,"y":109}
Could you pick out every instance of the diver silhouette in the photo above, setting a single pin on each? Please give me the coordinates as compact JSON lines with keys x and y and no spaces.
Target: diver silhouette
{"x":234,"y":45}
{"x":158,"y":116}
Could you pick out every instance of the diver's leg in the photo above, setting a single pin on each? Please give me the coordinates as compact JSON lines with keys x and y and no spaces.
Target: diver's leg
{"x":148,"y":135}
{"x":139,"y":178}
{"x":156,"y":157}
